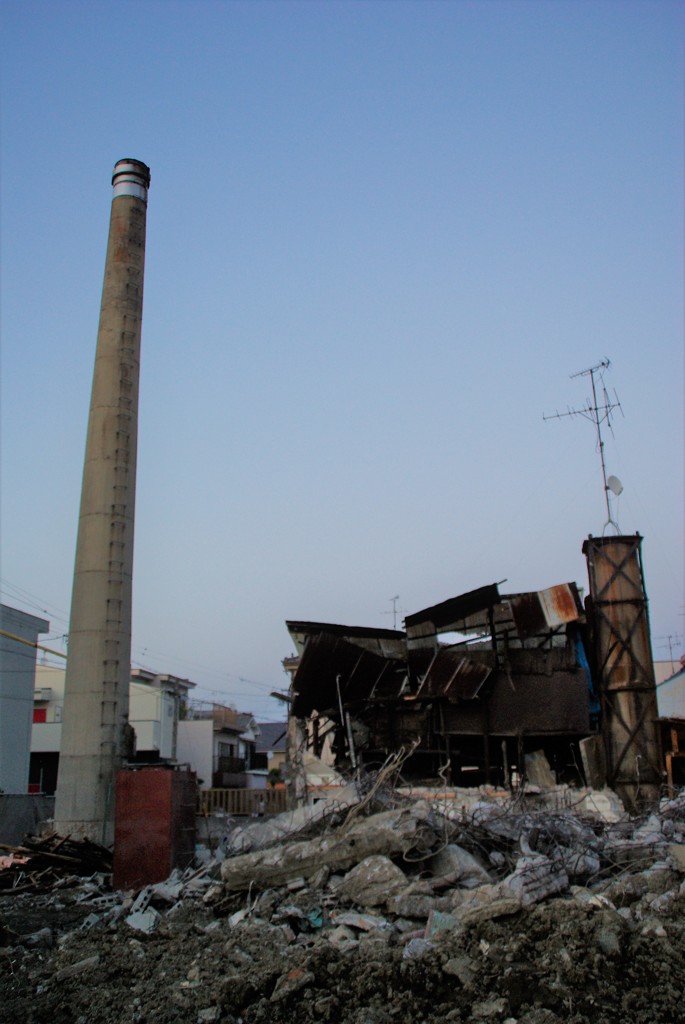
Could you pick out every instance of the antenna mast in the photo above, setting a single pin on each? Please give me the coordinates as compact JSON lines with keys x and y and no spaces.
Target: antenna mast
{"x":393,"y":601}
{"x":597,"y":414}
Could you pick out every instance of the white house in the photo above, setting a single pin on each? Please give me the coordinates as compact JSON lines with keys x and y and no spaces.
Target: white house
{"x":156,"y":702}
{"x":220,"y":744}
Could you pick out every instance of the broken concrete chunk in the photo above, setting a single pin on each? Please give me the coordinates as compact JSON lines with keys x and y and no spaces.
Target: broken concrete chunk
{"x":534,"y":879}
{"x":590,"y":899}
{"x":320,"y":879}
{"x":389,"y":833}
{"x":92,"y":921}
{"x":676,"y":854}
{"x":167,"y":892}
{"x":650,"y":832}
{"x":497,"y":821}
{"x":417,"y":948}
{"x":42,"y":939}
{"x":144,"y":920}
{"x":291,"y":982}
{"x":142,"y":900}
{"x":485,"y":903}
{"x":417,"y":901}
{"x":214,"y":893}
{"x":580,"y":863}
{"x":457,"y":864}
{"x":78,"y":968}
{"x":208,"y":1015}
{"x":610,"y":930}
{"x":634,"y":853}
{"x":342,"y":937}
{"x":462,"y":968}
{"x":371,"y":882}
{"x":538,"y":771}
{"x":362,"y":922}
{"x":258,"y":835}
{"x":438,"y":922}
{"x":488,"y":1009}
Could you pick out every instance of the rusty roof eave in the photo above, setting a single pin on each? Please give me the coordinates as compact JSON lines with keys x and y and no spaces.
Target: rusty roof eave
{"x":449,"y":614}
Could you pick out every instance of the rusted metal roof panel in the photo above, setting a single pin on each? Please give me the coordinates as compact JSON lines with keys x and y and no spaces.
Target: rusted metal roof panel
{"x":454,"y":676}
{"x":448,"y":614}
{"x":328,"y":661}
{"x":543,"y":611}
{"x":386,"y":642}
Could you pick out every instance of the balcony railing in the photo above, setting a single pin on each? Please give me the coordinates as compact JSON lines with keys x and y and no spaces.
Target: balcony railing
{"x":231,"y":764}
{"x":245,"y":802}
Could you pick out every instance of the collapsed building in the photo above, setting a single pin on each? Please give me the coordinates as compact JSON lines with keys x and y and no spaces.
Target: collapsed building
{"x":476,"y":685}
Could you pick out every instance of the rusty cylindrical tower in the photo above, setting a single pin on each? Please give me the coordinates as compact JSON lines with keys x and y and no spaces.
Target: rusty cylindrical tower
{"x":95,"y":732}
{"x":623,"y":660}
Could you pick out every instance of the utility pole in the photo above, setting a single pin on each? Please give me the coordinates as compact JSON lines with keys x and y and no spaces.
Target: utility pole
{"x":598,"y":412}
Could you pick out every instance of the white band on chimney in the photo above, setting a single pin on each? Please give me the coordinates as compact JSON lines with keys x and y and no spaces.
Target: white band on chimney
{"x":131,"y":178}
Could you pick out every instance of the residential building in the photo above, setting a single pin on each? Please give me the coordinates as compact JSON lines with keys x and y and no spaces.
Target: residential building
{"x":19,"y":634}
{"x":270,"y":746}
{"x":156,"y":702}
{"x":219,"y":743}
{"x":670,"y":689}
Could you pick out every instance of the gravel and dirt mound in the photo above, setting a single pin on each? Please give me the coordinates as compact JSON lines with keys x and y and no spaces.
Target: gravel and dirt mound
{"x":560,"y":961}
{"x":502,"y":917}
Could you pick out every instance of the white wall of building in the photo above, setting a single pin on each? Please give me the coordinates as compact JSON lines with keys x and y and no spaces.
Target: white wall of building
{"x":151,"y":713}
{"x":670,"y":696}
{"x":195,"y":746}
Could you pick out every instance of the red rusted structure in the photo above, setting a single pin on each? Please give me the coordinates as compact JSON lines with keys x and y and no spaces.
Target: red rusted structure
{"x":154,"y":824}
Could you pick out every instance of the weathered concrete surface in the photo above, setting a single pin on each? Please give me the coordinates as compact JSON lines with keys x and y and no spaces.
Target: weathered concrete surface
{"x":371,"y":882}
{"x":96,"y":735}
{"x":21,"y":814}
{"x":457,"y":865}
{"x":389,"y":833}
{"x":260,"y":834}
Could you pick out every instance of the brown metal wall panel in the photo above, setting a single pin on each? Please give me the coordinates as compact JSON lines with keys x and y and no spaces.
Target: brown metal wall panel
{"x":453,"y":675}
{"x":538,"y":705}
{"x":154,"y":832}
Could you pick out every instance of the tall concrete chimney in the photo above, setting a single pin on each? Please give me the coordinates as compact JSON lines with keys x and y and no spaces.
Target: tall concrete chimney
{"x":95,"y":730}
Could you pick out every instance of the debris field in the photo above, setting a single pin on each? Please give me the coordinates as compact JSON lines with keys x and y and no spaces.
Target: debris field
{"x":369,"y":909}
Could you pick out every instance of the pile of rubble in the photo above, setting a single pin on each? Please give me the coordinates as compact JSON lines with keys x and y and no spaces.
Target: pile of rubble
{"x":41,"y":862}
{"x":369,"y":912}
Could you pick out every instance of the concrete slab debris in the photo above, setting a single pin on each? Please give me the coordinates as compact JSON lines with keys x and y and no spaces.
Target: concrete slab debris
{"x":372,"y":882}
{"x":388,"y":833}
{"x":461,"y":909}
{"x":144,"y":920}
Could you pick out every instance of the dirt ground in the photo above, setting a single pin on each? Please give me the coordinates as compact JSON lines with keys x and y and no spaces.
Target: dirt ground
{"x":559,"y":961}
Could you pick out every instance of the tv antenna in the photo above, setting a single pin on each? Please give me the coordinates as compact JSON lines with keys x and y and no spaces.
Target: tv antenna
{"x":394,"y":601}
{"x":598,"y":410}
{"x":671,"y":639}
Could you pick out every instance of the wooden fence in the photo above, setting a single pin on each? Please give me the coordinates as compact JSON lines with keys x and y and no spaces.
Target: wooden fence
{"x":246,"y":802}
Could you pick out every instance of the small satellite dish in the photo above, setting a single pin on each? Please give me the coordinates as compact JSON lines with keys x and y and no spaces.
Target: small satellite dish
{"x":614,"y":485}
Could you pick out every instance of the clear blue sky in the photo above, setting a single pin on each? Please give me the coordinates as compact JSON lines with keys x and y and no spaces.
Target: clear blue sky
{"x":381,"y":238}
